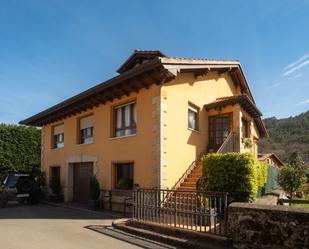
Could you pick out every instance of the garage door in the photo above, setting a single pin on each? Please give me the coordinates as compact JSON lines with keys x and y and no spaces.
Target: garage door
{"x":81,"y":185}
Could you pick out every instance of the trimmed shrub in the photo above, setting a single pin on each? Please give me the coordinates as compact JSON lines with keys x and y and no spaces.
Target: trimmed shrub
{"x":235,"y":173}
{"x":20,"y":148}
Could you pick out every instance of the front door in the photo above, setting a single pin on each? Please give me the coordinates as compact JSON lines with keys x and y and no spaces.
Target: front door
{"x":81,"y":181}
{"x":219,"y":128}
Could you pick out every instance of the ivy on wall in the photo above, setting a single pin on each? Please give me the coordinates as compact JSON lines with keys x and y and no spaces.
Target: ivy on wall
{"x":20,"y":148}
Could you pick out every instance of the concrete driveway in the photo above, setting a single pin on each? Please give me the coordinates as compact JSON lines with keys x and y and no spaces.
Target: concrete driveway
{"x":48,"y":227}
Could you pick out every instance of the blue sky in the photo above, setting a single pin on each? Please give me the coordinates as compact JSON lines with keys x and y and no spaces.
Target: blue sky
{"x":53,"y":49}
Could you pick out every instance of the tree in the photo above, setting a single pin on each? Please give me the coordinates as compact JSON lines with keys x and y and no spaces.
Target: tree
{"x":291,"y":179}
{"x":20,"y":148}
{"x":296,"y":160}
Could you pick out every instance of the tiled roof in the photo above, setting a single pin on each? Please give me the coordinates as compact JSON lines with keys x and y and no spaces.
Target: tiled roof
{"x":246,"y":103}
{"x":152,"y":66}
{"x":263,"y":157}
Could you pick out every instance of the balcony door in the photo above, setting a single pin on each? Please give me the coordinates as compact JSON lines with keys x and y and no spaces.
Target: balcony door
{"x":219,"y":128}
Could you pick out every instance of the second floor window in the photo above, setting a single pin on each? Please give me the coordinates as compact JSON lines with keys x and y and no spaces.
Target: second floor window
{"x":58,"y":136}
{"x":86,"y":130}
{"x":193,"y":117}
{"x":244,"y":128}
{"x":125,"y":120}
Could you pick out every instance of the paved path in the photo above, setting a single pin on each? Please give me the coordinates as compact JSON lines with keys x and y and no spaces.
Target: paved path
{"x":47,"y":227}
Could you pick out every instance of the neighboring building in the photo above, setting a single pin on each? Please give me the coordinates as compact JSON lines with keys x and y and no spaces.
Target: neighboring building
{"x":145,"y":126}
{"x":271,"y":158}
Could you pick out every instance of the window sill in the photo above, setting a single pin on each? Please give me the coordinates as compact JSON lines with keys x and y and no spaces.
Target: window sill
{"x":55,"y":149}
{"x":190,"y":129}
{"x":115,"y":138}
{"x":84,"y":144}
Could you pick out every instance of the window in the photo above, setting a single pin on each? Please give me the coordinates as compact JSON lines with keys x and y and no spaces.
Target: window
{"x":58,"y":137}
{"x":219,"y":129}
{"x":54,"y":172}
{"x":193,"y":117}
{"x":123,"y":176}
{"x":244,"y":128}
{"x":125,"y":120}
{"x":86,"y":130}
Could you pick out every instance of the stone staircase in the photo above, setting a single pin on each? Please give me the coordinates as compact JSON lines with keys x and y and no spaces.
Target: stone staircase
{"x":189,"y":183}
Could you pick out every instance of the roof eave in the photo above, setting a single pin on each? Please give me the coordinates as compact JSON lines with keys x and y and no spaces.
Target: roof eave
{"x":34,"y":120}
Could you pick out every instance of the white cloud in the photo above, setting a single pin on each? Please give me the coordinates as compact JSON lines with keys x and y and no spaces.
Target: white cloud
{"x":275,"y":85}
{"x":296,"y":67}
{"x":304,"y":57}
{"x":303,"y":102}
{"x":296,"y":76}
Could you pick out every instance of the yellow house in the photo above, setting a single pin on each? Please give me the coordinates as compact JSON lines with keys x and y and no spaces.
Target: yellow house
{"x":145,"y":126}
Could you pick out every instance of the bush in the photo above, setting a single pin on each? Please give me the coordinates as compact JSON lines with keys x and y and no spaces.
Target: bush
{"x":292,"y":179}
{"x":94,"y":188}
{"x":238,"y":174}
{"x":55,"y":185}
{"x":262,"y":170}
{"x":20,"y":148}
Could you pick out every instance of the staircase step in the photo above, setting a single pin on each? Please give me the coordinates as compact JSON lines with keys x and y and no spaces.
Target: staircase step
{"x":191,"y":189}
{"x":197,"y":175}
{"x":188,"y":184}
{"x":191,"y":179}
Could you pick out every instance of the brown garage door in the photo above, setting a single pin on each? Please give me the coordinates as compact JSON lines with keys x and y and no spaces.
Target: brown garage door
{"x":81,"y":185}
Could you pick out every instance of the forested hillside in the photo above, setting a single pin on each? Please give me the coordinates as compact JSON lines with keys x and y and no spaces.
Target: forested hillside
{"x":286,"y":136}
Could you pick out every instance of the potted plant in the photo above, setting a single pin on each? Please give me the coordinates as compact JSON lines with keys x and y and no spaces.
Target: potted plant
{"x":95,"y":202}
{"x":56,"y":194}
{"x":247,"y":142}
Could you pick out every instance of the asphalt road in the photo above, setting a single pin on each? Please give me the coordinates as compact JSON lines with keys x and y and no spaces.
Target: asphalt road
{"x":48,"y":227}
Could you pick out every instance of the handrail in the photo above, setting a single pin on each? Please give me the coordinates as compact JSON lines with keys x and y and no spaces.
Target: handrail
{"x":184,"y":175}
{"x":188,"y":171}
{"x":230,"y":138}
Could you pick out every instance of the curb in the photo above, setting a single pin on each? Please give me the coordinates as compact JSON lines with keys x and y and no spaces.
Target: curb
{"x":168,"y":238}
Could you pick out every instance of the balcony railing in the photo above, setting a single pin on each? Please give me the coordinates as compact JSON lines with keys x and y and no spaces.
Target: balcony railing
{"x":228,"y":144}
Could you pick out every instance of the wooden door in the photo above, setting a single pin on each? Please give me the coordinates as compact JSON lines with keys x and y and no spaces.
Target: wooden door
{"x":81,"y":181}
{"x":219,"y":129}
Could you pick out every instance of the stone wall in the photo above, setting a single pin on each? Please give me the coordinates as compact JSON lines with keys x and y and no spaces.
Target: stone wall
{"x":262,"y":226}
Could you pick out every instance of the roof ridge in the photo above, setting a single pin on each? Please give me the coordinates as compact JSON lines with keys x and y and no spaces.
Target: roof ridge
{"x":196,"y":59}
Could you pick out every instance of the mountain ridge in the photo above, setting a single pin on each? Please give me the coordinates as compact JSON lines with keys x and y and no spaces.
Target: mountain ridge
{"x":286,"y":135}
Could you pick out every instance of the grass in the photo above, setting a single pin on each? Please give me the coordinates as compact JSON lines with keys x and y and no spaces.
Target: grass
{"x":301,"y":204}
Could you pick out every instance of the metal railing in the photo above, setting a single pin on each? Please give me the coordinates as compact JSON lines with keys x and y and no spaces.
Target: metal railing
{"x":204,"y":212}
{"x":228,"y":144}
{"x":188,"y":171}
{"x":185,"y":175}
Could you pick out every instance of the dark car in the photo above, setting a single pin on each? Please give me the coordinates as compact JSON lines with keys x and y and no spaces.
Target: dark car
{"x":21,"y":187}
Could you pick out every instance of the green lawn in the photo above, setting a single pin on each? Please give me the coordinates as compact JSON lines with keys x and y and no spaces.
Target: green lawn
{"x":300,"y":204}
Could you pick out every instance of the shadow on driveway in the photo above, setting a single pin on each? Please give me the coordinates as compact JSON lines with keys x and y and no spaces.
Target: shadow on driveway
{"x":41,"y":211}
{"x":130,"y":238}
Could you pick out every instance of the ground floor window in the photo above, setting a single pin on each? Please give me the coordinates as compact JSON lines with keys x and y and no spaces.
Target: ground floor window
{"x":123,"y":175}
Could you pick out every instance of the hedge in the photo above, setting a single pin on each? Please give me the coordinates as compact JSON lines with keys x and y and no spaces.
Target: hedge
{"x":20,"y":148}
{"x":238,"y":174}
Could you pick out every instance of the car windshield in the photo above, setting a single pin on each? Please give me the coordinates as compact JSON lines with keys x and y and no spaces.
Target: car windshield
{"x":11,"y":180}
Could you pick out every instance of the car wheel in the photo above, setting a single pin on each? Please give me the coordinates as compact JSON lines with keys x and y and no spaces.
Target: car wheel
{"x":24,"y":185}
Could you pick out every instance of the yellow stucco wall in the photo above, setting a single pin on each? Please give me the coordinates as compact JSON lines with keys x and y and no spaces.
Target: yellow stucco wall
{"x":105,"y":150}
{"x":163,"y":147}
{"x":182,"y":145}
